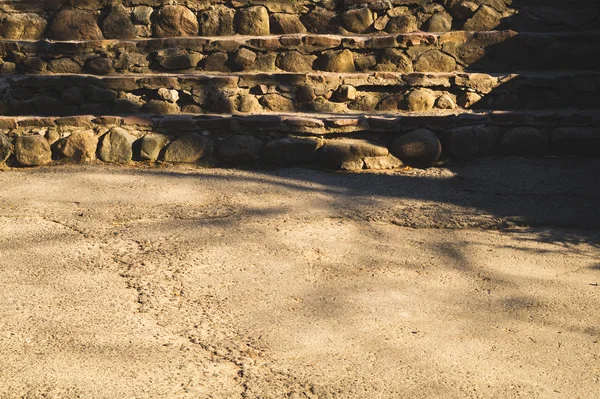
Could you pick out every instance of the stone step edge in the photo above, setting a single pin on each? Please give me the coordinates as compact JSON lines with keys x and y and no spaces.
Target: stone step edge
{"x":314,"y":124}
{"x":382,"y":39}
{"x":304,"y":53}
{"x":115,"y":141}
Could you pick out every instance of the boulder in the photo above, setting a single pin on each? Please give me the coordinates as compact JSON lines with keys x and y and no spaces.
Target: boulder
{"x":253,"y":21}
{"x":358,"y":20}
{"x":293,"y":61}
{"x":23,"y":27}
{"x":485,"y":19}
{"x":32,"y":151}
{"x":435,"y":61}
{"x":117,"y":24}
{"x":175,"y":21}
{"x":72,"y":24}
{"x":6,"y":148}
{"x":420,"y":100}
{"x":402,"y":24}
{"x":342,"y":61}
{"x":348,"y":153}
{"x":151,"y":145}
{"x":286,"y":24}
{"x":217,"y":22}
{"x":188,"y":149}
{"x":79,"y":146}
{"x":420,"y":148}
{"x":116,"y":146}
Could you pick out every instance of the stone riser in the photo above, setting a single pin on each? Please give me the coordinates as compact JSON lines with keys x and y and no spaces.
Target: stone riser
{"x":386,"y":93}
{"x":504,"y":51}
{"x":272,"y":140}
{"x":96,"y":20}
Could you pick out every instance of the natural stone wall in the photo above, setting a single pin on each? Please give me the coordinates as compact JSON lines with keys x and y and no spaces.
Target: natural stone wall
{"x":370,"y":143}
{"x":383,"y":92}
{"x":127,"y":19}
{"x":420,"y":52}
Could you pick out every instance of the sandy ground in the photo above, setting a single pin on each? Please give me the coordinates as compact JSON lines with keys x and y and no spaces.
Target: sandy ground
{"x":475,"y":281}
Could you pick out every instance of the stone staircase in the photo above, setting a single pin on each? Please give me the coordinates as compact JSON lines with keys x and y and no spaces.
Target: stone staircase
{"x":349,"y":84}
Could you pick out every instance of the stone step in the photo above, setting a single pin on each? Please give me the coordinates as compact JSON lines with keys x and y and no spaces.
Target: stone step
{"x":498,"y":51}
{"x":127,"y":19}
{"x":255,"y":93}
{"x":359,"y":142}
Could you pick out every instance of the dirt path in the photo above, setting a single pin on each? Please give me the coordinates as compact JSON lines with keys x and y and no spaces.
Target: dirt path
{"x":477,"y":281}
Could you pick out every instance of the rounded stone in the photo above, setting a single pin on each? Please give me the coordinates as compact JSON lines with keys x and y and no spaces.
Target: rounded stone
{"x":217,"y":22}
{"x":420,"y":148}
{"x":23,"y":27}
{"x":175,"y":21}
{"x":358,"y":20}
{"x":79,"y":146}
{"x":342,"y":61}
{"x":151,"y":145}
{"x":253,"y":21}
{"x":286,"y":24}
{"x":439,"y":22}
{"x":240,"y":149}
{"x":75,"y":25}
{"x":420,"y":100}
{"x":188,"y":149}
{"x":346,"y":152}
{"x":116,"y":146}
{"x":6,"y":148}
{"x":402,"y":24}
{"x":435,"y":61}
{"x":32,"y":151}
{"x":485,"y":19}
{"x":292,"y":150}
{"x":117,"y":24}
{"x":293,"y":61}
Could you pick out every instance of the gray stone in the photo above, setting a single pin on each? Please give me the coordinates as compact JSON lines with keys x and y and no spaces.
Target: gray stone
{"x":358,"y":20}
{"x":293,"y":61}
{"x":6,"y":148}
{"x":188,"y":149}
{"x":420,"y":100}
{"x":116,"y":146}
{"x":178,"y":59}
{"x":23,"y":27}
{"x":117,"y":24}
{"x":175,"y":21}
{"x":435,"y":61}
{"x":253,"y":21}
{"x":142,"y":14}
{"x":151,"y":145}
{"x":291,"y":151}
{"x":420,"y":148}
{"x":244,"y":58}
{"x":286,"y":24}
{"x":240,"y":150}
{"x":402,"y":24}
{"x":485,"y":19}
{"x":74,"y":25}
{"x":64,"y":65}
{"x":160,"y":107}
{"x":342,"y":61}
{"x":32,"y":151}
{"x":217,"y":22}
{"x":344,"y":152}
{"x":439,"y":22}
{"x":79,"y":146}
{"x":100,"y":66}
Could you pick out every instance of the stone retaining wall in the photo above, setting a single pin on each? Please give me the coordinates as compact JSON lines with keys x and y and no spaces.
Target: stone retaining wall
{"x":287,"y":140}
{"x":127,"y":19}
{"x":503,"y":51}
{"x":314,"y":93}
